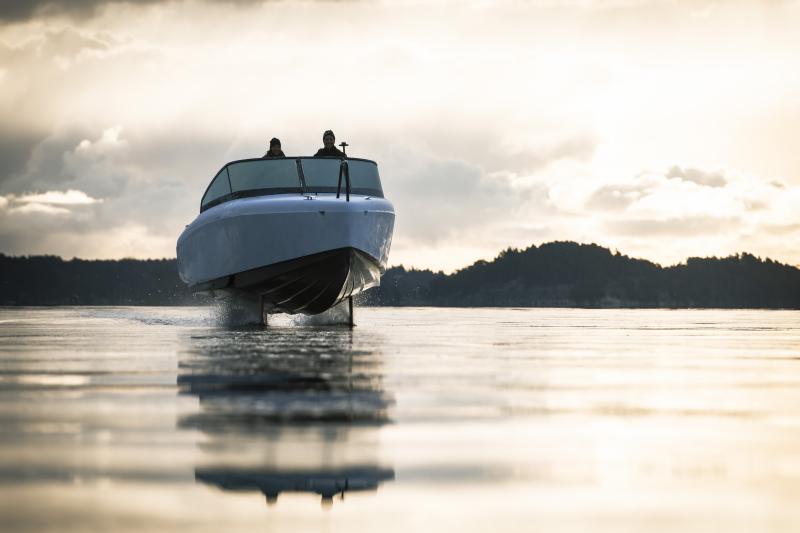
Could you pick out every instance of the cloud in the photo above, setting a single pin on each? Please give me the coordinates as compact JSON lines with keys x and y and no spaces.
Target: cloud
{"x":29,"y":219}
{"x":70,"y":223}
{"x":24,"y":10}
{"x":57,"y":79}
{"x":497,"y":149}
{"x":669,"y":218}
{"x":46,"y":203}
{"x":20,"y":11}
{"x":673,"y":227}
{"x":708,"y":179}
{"x":68,"y":160}
{"x":677,"y":192}
{"x":15,"y":150}
{"x":616,"y":197}
{"x":38,"y":209}
{"x":783,"y":229}
{"x":497,"y":125}
{"x":70,"y":197}
{"x":44,"y":84}
{"x":78,"y":189}
{"x":438,"y":199}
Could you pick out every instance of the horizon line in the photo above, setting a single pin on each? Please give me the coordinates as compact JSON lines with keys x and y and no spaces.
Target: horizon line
{"x":614,"y":251}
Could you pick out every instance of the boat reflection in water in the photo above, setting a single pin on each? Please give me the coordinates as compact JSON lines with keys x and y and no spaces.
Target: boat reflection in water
{"x":287,"y":409}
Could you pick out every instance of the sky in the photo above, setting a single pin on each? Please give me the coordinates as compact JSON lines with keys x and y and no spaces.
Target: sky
{"x":664,"y":129}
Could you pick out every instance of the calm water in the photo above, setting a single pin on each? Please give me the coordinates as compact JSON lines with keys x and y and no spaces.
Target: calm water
{"x":158,"y":419}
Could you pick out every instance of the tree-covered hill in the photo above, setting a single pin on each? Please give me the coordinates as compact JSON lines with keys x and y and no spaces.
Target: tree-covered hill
{"x":48,"y":280}
{"x":570,"y":274}
{"x":556,"y":274}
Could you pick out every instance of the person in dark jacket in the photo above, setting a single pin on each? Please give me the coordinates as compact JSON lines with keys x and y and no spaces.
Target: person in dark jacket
{"x":330,"y":150}
{"x":274,"y":149}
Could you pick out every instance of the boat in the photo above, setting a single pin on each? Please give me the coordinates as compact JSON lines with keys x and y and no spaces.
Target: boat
{"x":325,"y":483}
{"x":299,"y":234}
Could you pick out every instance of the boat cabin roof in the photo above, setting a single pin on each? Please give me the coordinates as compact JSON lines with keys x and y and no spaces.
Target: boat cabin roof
{"x":286,"y":175}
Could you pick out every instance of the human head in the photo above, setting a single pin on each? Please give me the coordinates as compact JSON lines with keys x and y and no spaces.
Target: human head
{"x":328,"y":139}
{"x":275,"y":145}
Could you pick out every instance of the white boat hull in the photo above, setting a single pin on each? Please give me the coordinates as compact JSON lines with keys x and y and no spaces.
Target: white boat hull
{"x":279,"y":245}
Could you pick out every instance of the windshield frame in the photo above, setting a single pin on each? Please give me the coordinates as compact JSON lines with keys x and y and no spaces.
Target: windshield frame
{"x":303,"y":190}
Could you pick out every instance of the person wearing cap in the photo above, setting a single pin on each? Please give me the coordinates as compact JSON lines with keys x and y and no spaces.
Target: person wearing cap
{"x":274,"y":149}
{"x":330,"y":150}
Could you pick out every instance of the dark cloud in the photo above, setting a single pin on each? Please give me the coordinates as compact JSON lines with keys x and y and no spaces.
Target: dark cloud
{"x":36,"y":54}
{"x":155,"y":181}
{"x":39,"y":165}
{"x":15,"y":151}
{"x":29,"y":76}
{"x":21,"y":10}
{"x":441,"y":198}
{"x":700,"y":177}
{"x":150,"y":182}
{"x":83,"y":160}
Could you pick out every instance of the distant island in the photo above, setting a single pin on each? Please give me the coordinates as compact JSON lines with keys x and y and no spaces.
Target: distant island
{"x":556,"y":274}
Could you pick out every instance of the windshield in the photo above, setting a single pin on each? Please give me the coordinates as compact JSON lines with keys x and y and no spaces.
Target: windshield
{"x":264,"y":174}
{"x":364,"y":175}
{"x":261,"y":177}
{"x":218,"y":191}
{"x":322,"y":175}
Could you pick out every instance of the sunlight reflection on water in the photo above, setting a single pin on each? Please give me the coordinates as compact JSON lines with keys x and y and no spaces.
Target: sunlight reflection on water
{"x":158,"y":419}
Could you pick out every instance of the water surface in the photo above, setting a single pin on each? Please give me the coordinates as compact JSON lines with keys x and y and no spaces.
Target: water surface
{"x":160,"y":419}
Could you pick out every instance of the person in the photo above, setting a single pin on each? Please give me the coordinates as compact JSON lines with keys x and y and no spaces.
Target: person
{"x":330,"y":150}
{"x":274,"y":149}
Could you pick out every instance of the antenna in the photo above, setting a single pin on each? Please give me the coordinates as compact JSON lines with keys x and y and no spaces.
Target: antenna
{"x":344,"y":146}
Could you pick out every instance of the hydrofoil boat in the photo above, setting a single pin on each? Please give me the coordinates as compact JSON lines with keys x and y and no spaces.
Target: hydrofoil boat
{"x":300,"y":234}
